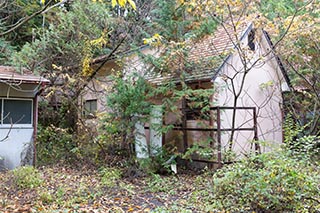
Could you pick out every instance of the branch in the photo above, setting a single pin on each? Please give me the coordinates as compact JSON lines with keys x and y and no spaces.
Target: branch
{"x":93,"y":74}
{"x":28,"y":18}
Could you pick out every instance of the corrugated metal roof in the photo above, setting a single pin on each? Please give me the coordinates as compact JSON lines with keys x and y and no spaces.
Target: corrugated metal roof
{"x":13,"y":74}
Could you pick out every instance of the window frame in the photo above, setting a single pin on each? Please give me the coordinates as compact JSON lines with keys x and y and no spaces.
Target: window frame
{"x":88,"y":114}
{"x":3,"y":125}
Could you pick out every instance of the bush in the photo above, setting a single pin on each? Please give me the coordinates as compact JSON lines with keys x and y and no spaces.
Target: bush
{"x":307,"y":147}
{"x":54,"y":144}
{"x":270,"y":182}
{"x":27,"y":177}
{"x":160,"y":162}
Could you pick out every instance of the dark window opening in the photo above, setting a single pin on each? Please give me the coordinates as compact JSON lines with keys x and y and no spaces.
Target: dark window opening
{"x":251,"y":40}
{"x":16,"y":111}
{"x":90,"y":108}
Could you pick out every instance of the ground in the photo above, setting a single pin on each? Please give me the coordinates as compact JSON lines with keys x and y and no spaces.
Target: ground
{"x":66,"y":189}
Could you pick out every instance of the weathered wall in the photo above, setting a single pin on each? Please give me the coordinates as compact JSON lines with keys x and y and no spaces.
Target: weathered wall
{"x":18,"y":90}
{"x":262,"y":89}
{"x":14,"y":148}
{"x":15,"y":139}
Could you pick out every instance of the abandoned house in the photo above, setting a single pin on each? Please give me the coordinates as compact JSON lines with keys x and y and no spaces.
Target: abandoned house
{"x":248,"y":80}
{"x":19,"y":90}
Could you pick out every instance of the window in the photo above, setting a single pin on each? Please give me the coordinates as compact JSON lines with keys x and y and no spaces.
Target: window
{"x":16,"y":111}
{"x":251,"y":40}
{"x":90,"y":108}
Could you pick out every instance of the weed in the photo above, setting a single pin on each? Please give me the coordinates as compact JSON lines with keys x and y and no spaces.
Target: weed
{"x":46,"y":197}
{"x":265,"y":182}
{"x":110,"y":176}
{"x":27,"y":177}
{"x":159,"y":184}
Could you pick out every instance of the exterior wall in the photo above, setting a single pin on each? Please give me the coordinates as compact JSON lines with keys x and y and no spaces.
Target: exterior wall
{"x":134,"y":64}
{"x":19,"y":90}
{"x":17,"y":140}
{"x":262,"y":89}
{"x":98,"y":88}
{"x":15,"y":147}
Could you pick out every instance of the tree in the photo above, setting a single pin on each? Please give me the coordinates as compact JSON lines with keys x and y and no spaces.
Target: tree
{"x":300,"y":51}
{"x":63,"y":49}
{"x":181,"y":24}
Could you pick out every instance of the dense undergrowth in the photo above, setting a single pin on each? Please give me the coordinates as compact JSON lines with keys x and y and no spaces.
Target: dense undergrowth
{"x":76,"y":177}
{"x":271,"y":182}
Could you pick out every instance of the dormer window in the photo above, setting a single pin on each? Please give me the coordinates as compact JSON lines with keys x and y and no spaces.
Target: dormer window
{"x":251,"y":40}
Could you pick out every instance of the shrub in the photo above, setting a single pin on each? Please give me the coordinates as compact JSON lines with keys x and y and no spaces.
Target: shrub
{"x":160,"y":162}
{"x":54,"y":144}
{"x":270,"y":182}
{"x":27,"y":177}
{"x":307,"y":147}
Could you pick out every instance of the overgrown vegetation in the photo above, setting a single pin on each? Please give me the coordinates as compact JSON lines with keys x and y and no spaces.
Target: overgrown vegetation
{"x":64,"y":45}
{"x":272,"y":182}
{"x":84,"y":189}
{"x":54,"y":145}
{"x":26,"y":177}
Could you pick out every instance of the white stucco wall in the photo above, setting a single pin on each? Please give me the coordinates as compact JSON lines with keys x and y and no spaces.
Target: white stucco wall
{"x":15,"y":139}
{"x":261,"y":89}
{"x":14,"y":147}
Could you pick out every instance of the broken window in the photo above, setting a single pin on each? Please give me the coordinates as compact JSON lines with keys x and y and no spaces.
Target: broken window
{"x":90,"y":108}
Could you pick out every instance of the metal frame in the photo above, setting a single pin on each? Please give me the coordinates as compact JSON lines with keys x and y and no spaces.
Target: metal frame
{"x":183,"y":127}
{"x":218,"y":109}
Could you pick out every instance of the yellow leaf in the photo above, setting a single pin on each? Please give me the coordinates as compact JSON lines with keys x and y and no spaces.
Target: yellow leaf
{"x":122,"y":3}
{"x":42,"y":1}
{"x":56,"y":67}
{"x":133,"y":5}
{"x":114,"y":3}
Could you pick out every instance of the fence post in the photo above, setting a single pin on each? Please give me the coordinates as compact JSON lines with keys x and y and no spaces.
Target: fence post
{"x":255,"y":137}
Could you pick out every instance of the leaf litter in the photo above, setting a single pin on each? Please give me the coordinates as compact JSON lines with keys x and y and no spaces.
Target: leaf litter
{"x":67,"y":189}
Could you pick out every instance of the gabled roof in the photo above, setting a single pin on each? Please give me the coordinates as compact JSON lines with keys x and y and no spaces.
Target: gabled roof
{"x":14,"y":75}
{"x":281,"y":66}
{"x":209,"y":53}
{"x":213,"y":51}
